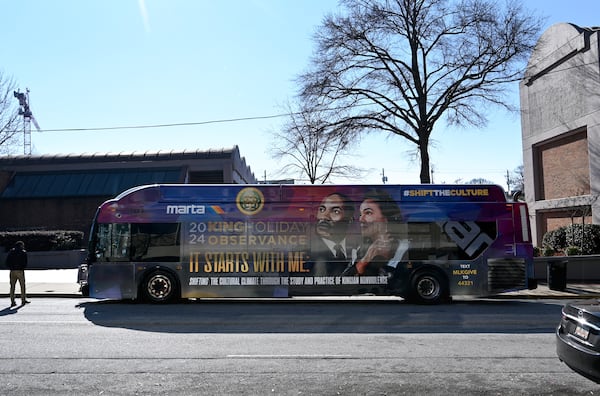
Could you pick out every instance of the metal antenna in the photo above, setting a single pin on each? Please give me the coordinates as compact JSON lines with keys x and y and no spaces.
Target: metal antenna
{"x":28,"y":118}
{"x":383,"y":176}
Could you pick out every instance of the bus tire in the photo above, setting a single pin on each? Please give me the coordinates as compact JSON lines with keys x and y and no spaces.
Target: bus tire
{"x":160,"y":287}
{"x":429,"y":287}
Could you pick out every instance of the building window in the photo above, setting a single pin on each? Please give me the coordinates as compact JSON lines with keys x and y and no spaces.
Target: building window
{"x":562,"y":167}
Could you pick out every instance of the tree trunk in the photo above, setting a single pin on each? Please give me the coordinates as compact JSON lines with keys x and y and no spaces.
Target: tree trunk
{"x":424,"y":153}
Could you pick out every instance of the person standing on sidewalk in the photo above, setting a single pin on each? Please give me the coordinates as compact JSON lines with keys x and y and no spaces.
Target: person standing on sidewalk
{"x":16,"y":261}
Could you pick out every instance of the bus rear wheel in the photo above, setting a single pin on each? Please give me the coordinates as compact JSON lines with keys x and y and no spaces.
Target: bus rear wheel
{"x":159,"y":287}
{"x":428,"y":287}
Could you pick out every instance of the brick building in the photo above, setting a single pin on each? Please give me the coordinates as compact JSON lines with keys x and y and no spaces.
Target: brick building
{"x":560,"y":105}
{"x":52,"y":192}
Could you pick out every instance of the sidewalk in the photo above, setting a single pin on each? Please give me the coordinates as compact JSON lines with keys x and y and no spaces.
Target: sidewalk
{"x":63,"y":283}
{"x":572,"y":291}
{"x":44,"y":283}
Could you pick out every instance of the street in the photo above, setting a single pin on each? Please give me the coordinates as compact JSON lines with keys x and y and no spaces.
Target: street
{"x":346,"y":346}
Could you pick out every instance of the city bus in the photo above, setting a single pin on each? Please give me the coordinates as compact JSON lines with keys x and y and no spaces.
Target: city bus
{"x":424,"y":243}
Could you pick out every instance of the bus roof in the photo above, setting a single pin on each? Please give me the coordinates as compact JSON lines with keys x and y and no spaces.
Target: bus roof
{"x":167,"y":202}
{"x":291,"y":192}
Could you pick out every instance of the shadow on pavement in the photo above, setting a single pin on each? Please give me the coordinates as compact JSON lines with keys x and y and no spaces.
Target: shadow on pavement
{"x":289,"y":316}
{"x":9,"y":310}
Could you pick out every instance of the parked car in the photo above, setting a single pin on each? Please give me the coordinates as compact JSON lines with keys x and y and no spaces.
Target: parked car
{"x":578,"y":338}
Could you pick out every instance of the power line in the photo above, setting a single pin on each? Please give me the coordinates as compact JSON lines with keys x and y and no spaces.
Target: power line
{"x":179,"y":124}
{"x":219,"y":121}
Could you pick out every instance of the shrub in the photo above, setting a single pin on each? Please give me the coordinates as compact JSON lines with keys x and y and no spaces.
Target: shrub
{"x":36,"y":241}
{"x":555,"y":239}
{"x":585,"y":238}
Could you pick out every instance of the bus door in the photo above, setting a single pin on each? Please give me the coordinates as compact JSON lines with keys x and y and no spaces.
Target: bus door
{"x":112,"y":274}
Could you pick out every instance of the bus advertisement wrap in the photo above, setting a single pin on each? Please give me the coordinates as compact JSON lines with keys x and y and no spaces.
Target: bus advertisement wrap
{"x":422,"y":242}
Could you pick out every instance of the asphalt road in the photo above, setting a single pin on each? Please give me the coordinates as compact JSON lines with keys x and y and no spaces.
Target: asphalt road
{"x":73,"y":346}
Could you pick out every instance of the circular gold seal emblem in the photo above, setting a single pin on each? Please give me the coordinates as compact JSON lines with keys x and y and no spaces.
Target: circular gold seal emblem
{"x":250,"y":201}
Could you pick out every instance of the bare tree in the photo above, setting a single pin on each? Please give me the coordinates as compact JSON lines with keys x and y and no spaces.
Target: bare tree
{"x":10,"y":122}
{"x":316,"y":152}
{"x":477,"y":180}
{"x":402,"y":65}
{"x":516,"y":179}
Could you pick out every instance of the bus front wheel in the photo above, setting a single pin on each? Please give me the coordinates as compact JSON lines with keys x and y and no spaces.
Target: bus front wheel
{"x":159,"y":287}
{"x":428,"y":287}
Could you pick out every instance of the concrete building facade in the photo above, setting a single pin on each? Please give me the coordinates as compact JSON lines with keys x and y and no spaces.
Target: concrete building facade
{"x":560,"y":106}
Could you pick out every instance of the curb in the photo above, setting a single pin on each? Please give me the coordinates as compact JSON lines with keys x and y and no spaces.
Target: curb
{"x":561,"y":296}
{"x":544,"y":296}
{"x":44,"y":295}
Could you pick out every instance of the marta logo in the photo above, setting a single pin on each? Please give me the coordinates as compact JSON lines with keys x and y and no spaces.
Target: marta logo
{"x":250,"y":201}
{"x":185,"y":209}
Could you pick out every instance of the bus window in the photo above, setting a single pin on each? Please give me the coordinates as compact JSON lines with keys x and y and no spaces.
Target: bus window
{"x":450,"y":240}
{"x":155,"y":242}
{"x":113,"y":242}
{"x":138,"y":242}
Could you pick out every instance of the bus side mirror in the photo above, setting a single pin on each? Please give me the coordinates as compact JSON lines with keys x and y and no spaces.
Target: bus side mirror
{"x":517,"y":195}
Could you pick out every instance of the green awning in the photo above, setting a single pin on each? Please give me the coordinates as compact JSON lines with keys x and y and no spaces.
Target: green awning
{"x":105,"y":182}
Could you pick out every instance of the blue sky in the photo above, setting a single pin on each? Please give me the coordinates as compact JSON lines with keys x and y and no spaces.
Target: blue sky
{"x":115,"y":63}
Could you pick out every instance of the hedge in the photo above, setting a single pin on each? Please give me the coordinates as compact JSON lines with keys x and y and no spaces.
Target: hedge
{"x":36,"y":241}
{"x":583,"y":238}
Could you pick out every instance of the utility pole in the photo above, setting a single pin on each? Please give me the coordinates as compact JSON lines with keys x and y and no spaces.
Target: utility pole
{"x":507,"y":181}
{"x":384,"y":178}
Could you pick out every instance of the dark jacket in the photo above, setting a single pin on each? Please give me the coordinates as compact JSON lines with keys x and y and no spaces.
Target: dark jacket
{"x":323,"y":262}
{"x":16,"y":259}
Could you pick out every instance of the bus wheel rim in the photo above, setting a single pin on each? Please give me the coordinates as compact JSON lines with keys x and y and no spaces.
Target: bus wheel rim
{"x":159,"y":286}
{"x":428,"y":287}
